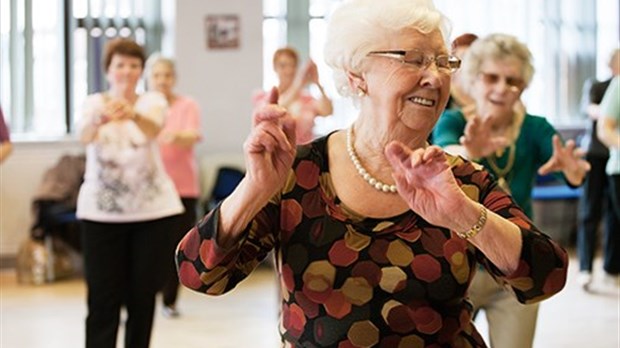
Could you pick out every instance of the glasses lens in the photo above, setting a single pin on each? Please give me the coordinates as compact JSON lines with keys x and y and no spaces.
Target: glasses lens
{"x":515,"y":82}
{"x":416,"y":58}
{"x":448,"y":62}
{"x":454,"y":62}
{"x":489,"y":78}
{"x":442,"y":62}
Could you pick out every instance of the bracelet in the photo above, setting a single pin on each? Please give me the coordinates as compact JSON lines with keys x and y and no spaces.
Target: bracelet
{"x":477,"y":226}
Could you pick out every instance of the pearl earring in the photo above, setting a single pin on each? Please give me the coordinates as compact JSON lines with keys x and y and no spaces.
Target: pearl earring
{"x":360,"y":92}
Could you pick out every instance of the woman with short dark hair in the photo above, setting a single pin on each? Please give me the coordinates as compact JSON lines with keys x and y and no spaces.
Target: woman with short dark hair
{"x":127,"y":203}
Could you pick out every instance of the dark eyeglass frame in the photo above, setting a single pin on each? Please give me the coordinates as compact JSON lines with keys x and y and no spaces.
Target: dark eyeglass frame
{"x":443,"y":62}
{"x":493,"y":78}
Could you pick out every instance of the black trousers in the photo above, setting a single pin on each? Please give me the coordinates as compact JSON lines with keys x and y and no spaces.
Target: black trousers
{"x":125,"y":265}
{"x":184,"y":223}
{"x":594,"y":203}
{"x":611,"y":263}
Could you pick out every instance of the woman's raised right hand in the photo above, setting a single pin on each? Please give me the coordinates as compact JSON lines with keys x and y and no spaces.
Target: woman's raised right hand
{"x":270,"y":148}
{"x":478,"y":139}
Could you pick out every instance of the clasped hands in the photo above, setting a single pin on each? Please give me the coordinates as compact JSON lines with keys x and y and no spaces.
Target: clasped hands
{"x":116,"y":110}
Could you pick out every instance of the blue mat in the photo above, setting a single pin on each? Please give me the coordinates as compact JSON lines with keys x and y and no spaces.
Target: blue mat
{"x":555,"y":192}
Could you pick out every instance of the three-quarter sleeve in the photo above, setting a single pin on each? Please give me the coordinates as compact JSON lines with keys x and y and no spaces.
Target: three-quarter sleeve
{"x":543,"y":263}
{"x":205,"y":266}
{"x":92,"y":108}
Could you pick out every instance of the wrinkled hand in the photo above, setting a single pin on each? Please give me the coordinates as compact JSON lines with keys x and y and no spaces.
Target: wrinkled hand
{"x":270,"y":147}
{"x":310,"y":72}
{"x":478,"y":139}
{"x":426,"y":182}
{"x":567,"y":159}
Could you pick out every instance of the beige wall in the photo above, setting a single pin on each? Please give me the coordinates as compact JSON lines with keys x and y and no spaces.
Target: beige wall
{"x":221,"y":81}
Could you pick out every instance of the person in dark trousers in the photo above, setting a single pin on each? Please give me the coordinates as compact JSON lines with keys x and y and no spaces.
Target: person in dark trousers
{"x":595,"y":200}
{"x":127,"y":204}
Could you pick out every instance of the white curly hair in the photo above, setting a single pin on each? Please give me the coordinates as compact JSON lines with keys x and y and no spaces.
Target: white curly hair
{"x":358,"y":27}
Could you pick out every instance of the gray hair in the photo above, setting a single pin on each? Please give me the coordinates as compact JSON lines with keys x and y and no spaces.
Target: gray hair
{"x":496,"y":47}
{"x":155,"y":59}
{"x":358,"y":27}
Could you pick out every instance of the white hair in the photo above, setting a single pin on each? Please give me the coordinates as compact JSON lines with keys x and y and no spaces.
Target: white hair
{"x":156,"y":58}
{"x":496,"y":47}
{"x":358,"y":27}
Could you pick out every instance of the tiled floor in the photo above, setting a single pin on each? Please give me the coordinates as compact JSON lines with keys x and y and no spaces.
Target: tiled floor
{"x":51,"y":316}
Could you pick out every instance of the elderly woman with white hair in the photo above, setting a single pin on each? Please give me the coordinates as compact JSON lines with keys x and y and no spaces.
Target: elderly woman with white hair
{"x":514,"y":146}
{"x":375,"y":232}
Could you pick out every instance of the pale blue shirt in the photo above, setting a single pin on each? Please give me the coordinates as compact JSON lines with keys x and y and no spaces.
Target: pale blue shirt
{"x":610,"y":108}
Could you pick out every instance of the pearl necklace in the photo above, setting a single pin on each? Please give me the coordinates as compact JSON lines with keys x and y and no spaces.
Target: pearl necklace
{"x":362,"y":171}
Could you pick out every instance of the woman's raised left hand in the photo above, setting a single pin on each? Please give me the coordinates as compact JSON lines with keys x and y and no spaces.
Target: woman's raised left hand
{"x":426,"y":182}
{"x":567,"y":159}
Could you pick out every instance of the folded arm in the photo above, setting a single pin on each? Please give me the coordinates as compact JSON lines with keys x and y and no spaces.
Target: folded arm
{"x":506,"y":242}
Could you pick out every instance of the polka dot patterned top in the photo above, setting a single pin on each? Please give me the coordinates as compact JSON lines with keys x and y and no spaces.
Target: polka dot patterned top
{"x":350,"y":281}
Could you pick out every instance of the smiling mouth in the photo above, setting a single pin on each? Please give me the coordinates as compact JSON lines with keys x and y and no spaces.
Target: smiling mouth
{"x":422,"y":101}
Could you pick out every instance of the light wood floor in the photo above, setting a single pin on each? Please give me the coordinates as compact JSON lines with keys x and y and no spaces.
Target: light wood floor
{"x":52,"y":316}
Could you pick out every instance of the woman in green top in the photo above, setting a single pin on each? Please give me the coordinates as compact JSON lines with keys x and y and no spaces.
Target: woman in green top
{"x":513,"y":145}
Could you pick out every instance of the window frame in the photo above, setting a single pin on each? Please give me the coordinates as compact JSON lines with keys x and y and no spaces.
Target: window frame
{"x":19,"y":93}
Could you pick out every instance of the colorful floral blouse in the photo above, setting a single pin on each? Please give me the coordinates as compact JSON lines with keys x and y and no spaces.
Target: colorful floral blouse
{"x":349,"y":281}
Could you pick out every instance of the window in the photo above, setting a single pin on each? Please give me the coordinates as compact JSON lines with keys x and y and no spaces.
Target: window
{"x":305,"y":32}
{"x":97,"y":23}
{"x":32,"y":50}
{"x":50,"y":56}
{"x":274,"y":32}
{"x":562,"y":37}
{"x":344,"y":110}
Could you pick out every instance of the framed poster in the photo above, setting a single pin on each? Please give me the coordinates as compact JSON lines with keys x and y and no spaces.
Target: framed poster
{"x":222,"y":31}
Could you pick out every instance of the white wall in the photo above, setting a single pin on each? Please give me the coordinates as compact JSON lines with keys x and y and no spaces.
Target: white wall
{"x":221,"y":82}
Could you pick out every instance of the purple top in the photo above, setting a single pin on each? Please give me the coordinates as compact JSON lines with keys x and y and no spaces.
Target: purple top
{"x":4,"y":131}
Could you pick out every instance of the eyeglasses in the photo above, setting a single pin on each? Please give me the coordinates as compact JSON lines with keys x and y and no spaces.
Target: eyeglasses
{"x":492,"y":78}
{"x":419,"y":60}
